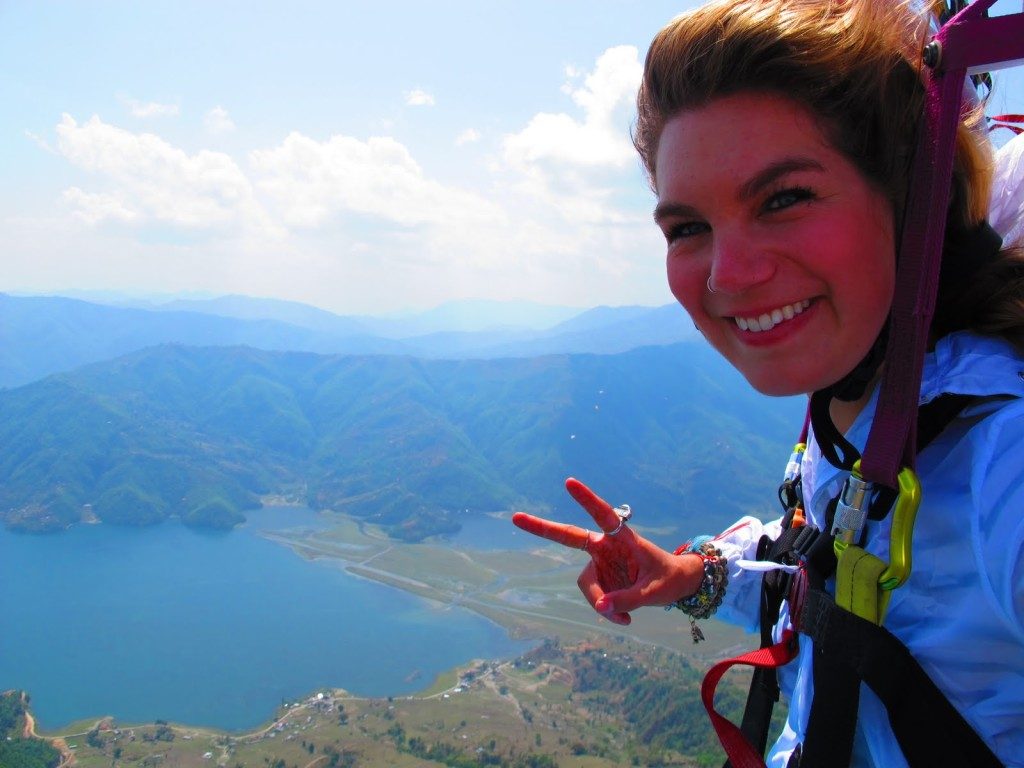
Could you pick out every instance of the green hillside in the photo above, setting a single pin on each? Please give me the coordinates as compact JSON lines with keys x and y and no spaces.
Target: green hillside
{"x":595,"y":703}
{"x":19,"y":748}
{"x":410,"y":444}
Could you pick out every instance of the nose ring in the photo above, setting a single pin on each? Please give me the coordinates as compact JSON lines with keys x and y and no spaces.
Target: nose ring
{"x":710,"y":289}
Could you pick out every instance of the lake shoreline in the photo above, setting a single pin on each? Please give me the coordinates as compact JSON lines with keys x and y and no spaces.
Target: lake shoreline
{"x":526,"y":595}
{"x":238,"y":624}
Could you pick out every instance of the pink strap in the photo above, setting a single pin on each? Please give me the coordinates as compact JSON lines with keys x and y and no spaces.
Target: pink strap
{"x":968,"y":41}
{"x":741,"y":753}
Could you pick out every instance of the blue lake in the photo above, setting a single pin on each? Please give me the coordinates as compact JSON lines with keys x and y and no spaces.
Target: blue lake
{"x":495,"y":531}
{"x":491,"y":532}
{"x":210,"y":628}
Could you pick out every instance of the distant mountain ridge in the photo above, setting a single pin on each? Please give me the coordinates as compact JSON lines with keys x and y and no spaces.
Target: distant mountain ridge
{"x":289,"y":312}
{"x":408,"y":443}
{"x":465,"y":315}
{"x":40,"y":336}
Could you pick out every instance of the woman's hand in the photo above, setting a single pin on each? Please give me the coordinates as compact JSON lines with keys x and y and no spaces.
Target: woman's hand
{"x":626,"y":571}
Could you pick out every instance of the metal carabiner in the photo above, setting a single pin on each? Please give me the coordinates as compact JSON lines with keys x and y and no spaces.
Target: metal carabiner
{"x":851,"y":510}
{"x":864,"y":582}
{"x":901,"y":536}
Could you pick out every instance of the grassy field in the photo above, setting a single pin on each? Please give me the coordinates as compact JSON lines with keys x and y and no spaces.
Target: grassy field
{"x":532,"y":593}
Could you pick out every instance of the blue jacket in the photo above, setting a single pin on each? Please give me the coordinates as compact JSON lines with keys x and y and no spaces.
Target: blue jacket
{"x":961,"y":613}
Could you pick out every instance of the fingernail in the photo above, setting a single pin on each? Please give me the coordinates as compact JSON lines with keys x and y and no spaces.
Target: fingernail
{"x":603,"y":605}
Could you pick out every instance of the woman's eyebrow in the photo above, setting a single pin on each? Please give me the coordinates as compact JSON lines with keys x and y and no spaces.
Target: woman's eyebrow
{"x":679,"y":210}
{"x":750,"y":188}
{"x":776,"y":170}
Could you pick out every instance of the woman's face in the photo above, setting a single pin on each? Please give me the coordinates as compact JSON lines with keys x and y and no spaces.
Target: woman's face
{"x":797,"y":244}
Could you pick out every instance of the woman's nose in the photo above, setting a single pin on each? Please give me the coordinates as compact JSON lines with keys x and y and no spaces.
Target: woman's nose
{"x":739,"y":263}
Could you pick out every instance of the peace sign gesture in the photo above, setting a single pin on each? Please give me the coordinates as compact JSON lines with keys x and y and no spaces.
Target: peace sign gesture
{"x":626,"y":571}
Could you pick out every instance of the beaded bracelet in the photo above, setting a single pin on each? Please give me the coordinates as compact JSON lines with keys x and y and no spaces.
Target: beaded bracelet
{"x":703,"y":603}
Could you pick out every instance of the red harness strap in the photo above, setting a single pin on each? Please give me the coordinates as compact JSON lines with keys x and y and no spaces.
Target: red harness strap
{"x":741,"y":754}
{"x":1006,"y":121}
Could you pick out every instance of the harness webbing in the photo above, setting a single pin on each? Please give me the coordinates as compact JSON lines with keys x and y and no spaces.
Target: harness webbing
{"x":968,"y":41}
{"x":741,"y":753}
{"x":928,"y":728}
{"x":836,"y":686}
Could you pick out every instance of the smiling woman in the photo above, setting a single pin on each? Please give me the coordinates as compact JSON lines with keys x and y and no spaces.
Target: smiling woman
{"x":763,"y":241}
{"x":779,"y":137}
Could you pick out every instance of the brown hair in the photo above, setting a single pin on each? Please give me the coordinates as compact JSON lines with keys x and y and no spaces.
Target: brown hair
{"x":853,"y":64}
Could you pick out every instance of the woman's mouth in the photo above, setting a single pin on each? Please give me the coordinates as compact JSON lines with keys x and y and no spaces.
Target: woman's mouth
{"x":768,"y":320}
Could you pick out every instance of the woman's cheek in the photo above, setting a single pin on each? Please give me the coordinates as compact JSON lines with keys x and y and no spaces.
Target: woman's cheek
{"x":686,"y":281}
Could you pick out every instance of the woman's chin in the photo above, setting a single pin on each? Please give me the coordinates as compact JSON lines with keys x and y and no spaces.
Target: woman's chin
{"x":775,"y":387}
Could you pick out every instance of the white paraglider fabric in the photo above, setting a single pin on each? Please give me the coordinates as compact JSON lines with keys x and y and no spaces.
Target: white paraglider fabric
{"x":1006,"y":208}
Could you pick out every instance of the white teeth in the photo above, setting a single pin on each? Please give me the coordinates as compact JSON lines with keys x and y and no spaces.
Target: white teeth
{"x":766,"y":321}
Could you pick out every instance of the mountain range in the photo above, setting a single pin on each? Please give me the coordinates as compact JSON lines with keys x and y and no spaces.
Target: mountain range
{"x":41,"y":335}
{"x":409,"y":443}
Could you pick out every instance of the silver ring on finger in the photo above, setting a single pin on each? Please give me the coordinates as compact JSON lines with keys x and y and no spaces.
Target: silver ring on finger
{"x":624,"y":513}
{"x":586,"y":543}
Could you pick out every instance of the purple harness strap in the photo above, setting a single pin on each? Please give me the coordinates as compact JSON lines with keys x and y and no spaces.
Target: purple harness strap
{"x":969,"y":41}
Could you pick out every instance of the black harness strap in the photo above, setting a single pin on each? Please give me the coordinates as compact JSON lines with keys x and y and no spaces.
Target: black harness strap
{"x":837,"y":450}
{"x":792,"y":545}
{"x":936,"y":416}
{"x":930,"y":731}
{"x":764,"y":685}
{"x":828,"y":742}
{"x":833,"y":717}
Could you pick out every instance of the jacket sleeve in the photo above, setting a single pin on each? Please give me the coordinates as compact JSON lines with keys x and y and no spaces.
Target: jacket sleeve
{"x":743,"y":592}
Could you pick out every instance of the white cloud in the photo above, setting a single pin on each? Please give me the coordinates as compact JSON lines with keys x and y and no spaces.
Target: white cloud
{"x":417,"y":97}
{"x":151,"y":109}
{"x":93,"y":208}
{"x":352,"y":217}
{"x":577,"y":163}
{"x":151,"y":180}
{"x":312,"y":181}
{"x":601,"y":137}
{"x":217,"y":121}
{"x":468,"y":136}
{"x":300,"y":184}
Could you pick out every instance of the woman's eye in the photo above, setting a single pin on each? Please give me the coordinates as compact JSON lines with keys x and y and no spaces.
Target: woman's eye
{"x":787,"y":198}
{"x":684,"y":230}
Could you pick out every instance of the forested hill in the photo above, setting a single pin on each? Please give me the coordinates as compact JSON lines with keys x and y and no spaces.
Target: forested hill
{"x":407,"y":443}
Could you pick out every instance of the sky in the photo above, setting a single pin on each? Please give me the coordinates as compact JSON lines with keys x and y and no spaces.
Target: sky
{"x":363,"y":157}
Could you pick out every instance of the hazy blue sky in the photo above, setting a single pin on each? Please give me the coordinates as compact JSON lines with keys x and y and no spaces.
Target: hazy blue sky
{"x":358,"y":156}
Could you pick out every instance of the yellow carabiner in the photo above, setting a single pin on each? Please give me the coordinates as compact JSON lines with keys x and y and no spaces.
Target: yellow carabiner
{"x":864,"y":582}
{"x":901,"y":536}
